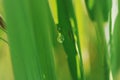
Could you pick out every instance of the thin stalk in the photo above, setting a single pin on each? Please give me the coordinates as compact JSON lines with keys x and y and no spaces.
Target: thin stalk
{"x":102,"y":46}
{"x":115,"y":50}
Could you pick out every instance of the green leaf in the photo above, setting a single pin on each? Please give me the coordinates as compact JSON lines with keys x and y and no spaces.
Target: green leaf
{"x":65,"y":27}
{"x":30,"y":39}
{"x":115,"y":51}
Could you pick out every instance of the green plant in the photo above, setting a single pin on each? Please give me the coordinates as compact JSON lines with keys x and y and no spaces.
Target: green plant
{"x":35,"y":37}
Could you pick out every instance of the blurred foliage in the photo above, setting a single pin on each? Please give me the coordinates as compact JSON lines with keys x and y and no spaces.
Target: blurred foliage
{"x":104,"y":7}
{"x":58,"y":40}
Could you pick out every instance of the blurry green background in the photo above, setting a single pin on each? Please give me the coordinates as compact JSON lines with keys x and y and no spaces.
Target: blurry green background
{"x":87,"y":35}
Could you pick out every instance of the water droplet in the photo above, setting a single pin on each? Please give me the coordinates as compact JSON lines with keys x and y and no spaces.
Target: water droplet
{"x":60,"y":38}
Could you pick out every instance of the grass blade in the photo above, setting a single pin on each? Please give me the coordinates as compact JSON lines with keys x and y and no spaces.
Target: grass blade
{"x":115,"y":47}
{"x":29,"y":37}
{"x":65,"y":12}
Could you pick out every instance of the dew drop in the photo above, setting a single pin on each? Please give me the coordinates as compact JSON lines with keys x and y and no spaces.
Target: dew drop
{"x":60,"y":38}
